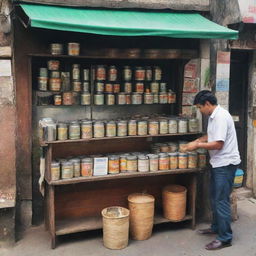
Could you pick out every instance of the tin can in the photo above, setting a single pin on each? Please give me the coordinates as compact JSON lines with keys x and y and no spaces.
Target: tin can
{"x":154,"y":87}
{"x":113,"y":164}
{"x":173,"y":147}
{"x":110,"y":99}
{"x":86,"y":129}
{"x":153,"y":127}
{"x":65,"y":81}
{"x":148,"y":74}
{"x":202,"y":159}
{"x":173,"y":157}
{"x":98,"y":129}
{"x":74,"y":130}
{"x":55,"y":170}
{"x":55,"y":84}
{"x":155,"y":98}
{"x":73,"y":49}
{"x":85,"y":98}
{"x":123,"y":162}
{"x":192,"y":160}
{"x":55,"y":74}
{"x":136,"y":98}
{"x":182,"y":125}
{"x":183,"y":160}
{"x":86,"y":74}
{"x":163,"y":98}
{"x":86,"y":86}
{"x":153,"y":162}
{"x":127,"y":73}
{"x":99,"y":85}
{"x":101,"y":73}
{"x":67,"y":98}
{"x":173,"y":126}
{"x":132,"y":164}
{"x":99,"y":99}
{"x":121,"y":98}
{"x":128,"y":87}
{"x":193,"y":125}
{"x":157,"y":73}
{"x":86,"y":167}
{"x":128,"y":98}
{"x":42,"y":83}
{"x":163,"y":87}
{"x":139,"y":87}
{"x":67,"y":171}
{"x":171,"y":97}
{"x":62,"y":131}
{"x":148,"y":98}
{"x":163,"y":126}
{"x":139,"y":74}
{"x":53,"y":64}
{"x":143,"y":163}
{"x":76,"y":85}
{"x":76,"y":167}
{"x":132,"y":127}
{"x":142,"y":128}
{"x":122,"y":128}
{"x":109,"y":88}
{"x":116,"y":88}
{"x":43,"y":72}
{"x":111,"y":129}
{"x":76,"y":72}
{"x":57,"y":100}
{"x":163,"y":161}
{"x":112,"y":74}
{"x":56,"y":49}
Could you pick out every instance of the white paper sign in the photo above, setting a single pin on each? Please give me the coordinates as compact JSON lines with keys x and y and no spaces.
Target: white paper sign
{"x":100,"y":166}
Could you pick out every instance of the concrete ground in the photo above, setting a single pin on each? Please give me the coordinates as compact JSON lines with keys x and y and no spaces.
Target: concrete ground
{"x":176,"y":240}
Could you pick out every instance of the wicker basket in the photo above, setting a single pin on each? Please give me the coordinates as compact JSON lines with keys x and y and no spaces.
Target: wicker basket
{"x":115,"y":227}
{"x":174,"y":202}
{"x":141,"y":215}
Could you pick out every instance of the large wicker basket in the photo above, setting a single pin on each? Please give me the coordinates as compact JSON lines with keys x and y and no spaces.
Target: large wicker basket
{"x":174,"y":202}
{"x":115,"y":227}
{"x":141,"y":215}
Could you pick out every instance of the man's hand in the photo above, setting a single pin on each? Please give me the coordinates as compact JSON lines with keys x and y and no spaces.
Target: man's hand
{"x":191,"y":146}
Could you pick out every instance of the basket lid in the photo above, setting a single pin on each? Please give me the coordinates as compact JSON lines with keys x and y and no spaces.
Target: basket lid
{"x":115,"y":212}
{"x":140,"y":198}
{"x":175,"y":188}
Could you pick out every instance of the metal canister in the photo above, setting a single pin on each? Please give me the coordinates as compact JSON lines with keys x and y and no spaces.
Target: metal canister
{"x":56,"y":49}
{"x":140,"y":73}
{"x":127,"y":87}
{"x":121,"y":98}
{"x":123,"y":162}
{"x":163,"y":99}
{"x":171,"y":97}
{"x":98,"y":129}
{"x":143,"y":163}
{"x":109,"y":87}
{"x":86,"y":129}
{"x":132,"y":127}
{"x":113,"y":164}
{"x":55,"y":170}
{"x":99,"y":86}
{"x":122,"y":128}
{"x":116,"y":88}
{"x":148,"y":73}
{"x":182,"y":125}
{"x":154,"y":87}
{"x":132,"y":164}
{"x":76,"y":86}
{"x":163,"y":87}
{"x":67,"y":171}
{"x":86,"y":167}
{"x":157,"y":73}
{"x":42,"y":83}
{"x":67,"y":98}
{"x":111,"y":129}
{"x":202,"y":158}
{"x":148,"y":98}
{"x":173,"y":157}
{"x":139,"y":87}
{"x":43,"y":72}
{"x":62,"y":131}
{"x":112,"y":73}
{"x":163,"y":126}
{"x":65,"y":81}
{"x":192,"y":160}
{"x":193,"y":125}
{"x":110,"y":99}
{"x":53,"y":64}
{"x":153,"y":162}
{"x":163,"y":161}
{"x":128,"y":99}
{"x":50,"y":132}
{"x":153,"y":127}
{"x":76,"y":167}
{"x":173,"y":147}
{"x":99,"y":99}
{"x":73,"y":49}
{"x":86,"y":86}
{"x":127,"y":73}
{"x":183,"y":160}
{"x":142,"y":127}
{"x":74,"y":130}
{"x":76,"y":72}
{"x":173,"y":126}
{"x":85,"y":98}
{"x":55,"y":74}
{"x":136,"y":98}
{"x":101,"y":73}
{"x":86,"y":74}
{"x":55,"y":84}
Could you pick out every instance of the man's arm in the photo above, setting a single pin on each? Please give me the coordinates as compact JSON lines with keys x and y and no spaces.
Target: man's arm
{"x":213,"y":145}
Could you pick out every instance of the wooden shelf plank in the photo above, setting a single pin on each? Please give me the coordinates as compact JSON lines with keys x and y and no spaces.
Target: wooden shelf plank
{"x":121,"y":176}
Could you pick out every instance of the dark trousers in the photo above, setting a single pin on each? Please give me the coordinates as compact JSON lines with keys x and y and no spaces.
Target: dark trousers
{"x":222,"y":179}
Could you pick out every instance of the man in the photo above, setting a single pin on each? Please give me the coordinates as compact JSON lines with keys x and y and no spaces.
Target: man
{"x":221,"y":141}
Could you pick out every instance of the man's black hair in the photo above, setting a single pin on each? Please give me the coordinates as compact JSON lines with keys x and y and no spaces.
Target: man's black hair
{"x":204,"y":96}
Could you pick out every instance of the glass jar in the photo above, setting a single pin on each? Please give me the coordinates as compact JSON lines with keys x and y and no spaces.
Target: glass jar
{"x":110,"y":99}
{"x":116,"y":88}
{"x":53,"y":65}
{"x":123,"y":162}
{"x":55,"y":170}
{"x":99,"y":99}
{"x":55,"y":84}
{"x":101,"y":73}
{"x":173,"y":146}
{"x":121,"y":98}
{"x":153,"y":162}
{"x":183,"y":160}
{"x":132,"y":127}
{"x":202,"y":158}
{"x":98,"y":129}
{"x":143,"y":163}
{"x":111,"y":129}
{"x":163,"y":162}
{"x":157,"y":73}
{"x":142,"y":127}
{"x":76,"y":72}
{"x":171,"y":97}
{"x":131,"y":164}
{"x":163,"y":99}
{"x":86,"y":74}
{"x":148,"y":73}
{"x":87,"y":166}
{"x":76,"y":166}
{"x":154,"y":87}
{"x":113,"y":164}
{"x":62,"y":131}
{"x":86,"y":129}
{"x":155,"y":98}
{"x":122,"y":128}
{"x":74,"y":130}
{"x":127,"y":87}
{"x":127,"y":73}
{"x":42,"y":83}
{"x":139,"y":87}
{"x":140,"y":73}
{"x":153,"y":127}
{"x":182,"y":125}
{"x":56,"y":49}
{"x":99,"y":86}
{"x":163,"y":126}
{"x":192,"y":160}
{"x":76,"y":98}
{"x":173,"y":157}
{"x":136,"y":98}
{"x":85,"y":98}
{"x":109,"y":87}
{"x":73,"y":49}
{"x":193,"y":125}
{"x":67,"y":98}
{"x":173,"y":126}
{"x":57,"y":100}
{"x":148,"y":98}
{"x":163,"y":87}
{"x":67,"y":170}
{"x":112,"y":73}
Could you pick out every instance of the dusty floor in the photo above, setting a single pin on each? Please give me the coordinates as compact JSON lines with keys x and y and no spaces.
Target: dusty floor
{"x":176,"y":240}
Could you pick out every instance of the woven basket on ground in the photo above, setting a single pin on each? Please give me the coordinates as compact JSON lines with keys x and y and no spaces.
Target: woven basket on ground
{"x":174,"y":202}
{"x":141,"y":215}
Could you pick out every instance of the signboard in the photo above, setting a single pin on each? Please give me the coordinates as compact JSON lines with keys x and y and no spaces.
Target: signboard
{"x":248,"y":10}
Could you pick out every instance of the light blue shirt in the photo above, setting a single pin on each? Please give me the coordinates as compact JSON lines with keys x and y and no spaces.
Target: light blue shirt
{"x":221,"y":128}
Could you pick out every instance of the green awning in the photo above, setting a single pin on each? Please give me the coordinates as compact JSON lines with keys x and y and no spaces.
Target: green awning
{"x":125,"y":22}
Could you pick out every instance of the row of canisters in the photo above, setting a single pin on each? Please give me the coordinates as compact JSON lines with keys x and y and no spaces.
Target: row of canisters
{"x":86,"y":129}
{"x":72,"y":49}
{"x":120,"y":163}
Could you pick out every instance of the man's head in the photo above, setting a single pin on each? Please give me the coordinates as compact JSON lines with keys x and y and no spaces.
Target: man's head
{"x":206,"y":102}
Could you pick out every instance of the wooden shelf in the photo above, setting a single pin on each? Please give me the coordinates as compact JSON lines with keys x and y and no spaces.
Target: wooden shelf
{"x":70,"y":226}
{"x":121,"y":176}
